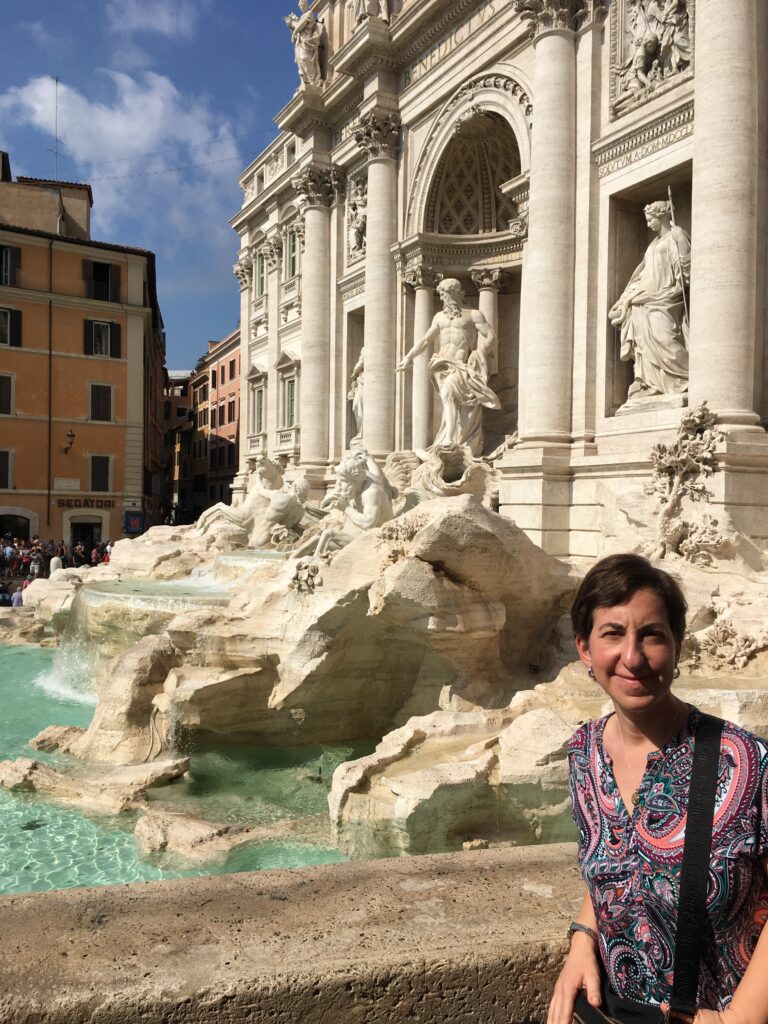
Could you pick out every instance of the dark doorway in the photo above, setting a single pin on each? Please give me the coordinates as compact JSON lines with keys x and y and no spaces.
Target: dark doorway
{"x":87,"y":534}
{"x":14,"y":526}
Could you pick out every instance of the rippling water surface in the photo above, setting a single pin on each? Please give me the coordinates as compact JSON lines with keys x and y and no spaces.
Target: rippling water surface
{"x":46,"y":847}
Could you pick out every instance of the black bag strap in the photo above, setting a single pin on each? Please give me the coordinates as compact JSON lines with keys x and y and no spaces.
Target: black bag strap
{"x":694,"y":875}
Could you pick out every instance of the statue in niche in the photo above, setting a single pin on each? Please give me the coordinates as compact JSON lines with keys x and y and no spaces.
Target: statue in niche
{"x":306,"y":35}
{"x":461,"y":368}
{"x":360,"y":501}
{"x":357,"y":218}
{"x":652,"y":312}
{"x":362,"y":12}
{"x":660,"y":46}
{"x":357,"y":392}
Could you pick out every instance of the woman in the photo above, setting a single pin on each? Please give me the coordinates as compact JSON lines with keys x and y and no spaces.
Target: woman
{"x":629,"y":776}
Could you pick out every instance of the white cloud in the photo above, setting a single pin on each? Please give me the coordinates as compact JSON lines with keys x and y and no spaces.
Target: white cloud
{"x":45,"y":40}
{"x":173,"y":18}
{"x":163,"y":166}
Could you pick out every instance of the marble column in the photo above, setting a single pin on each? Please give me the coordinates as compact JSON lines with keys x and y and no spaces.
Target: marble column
{"x":423,"y":280}
{"x":377,"y":136}
{"x":272,"y":251}
{"x":546,"y":335}
{"x":489,"y":281}
{"x":316,"y":186}
{"x":243,"y":271}
{"x":726,"y":214}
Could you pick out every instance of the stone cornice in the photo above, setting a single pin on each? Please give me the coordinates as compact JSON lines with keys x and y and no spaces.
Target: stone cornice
{"x":306,"y":110}
{"x":476,"y":252}
{"x":643,"y":139}
{"x":367,"y":52}
{"x":422,"y":24}
{"x":378,"y":135}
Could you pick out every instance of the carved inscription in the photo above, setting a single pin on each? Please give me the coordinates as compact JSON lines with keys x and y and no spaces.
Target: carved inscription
{"x":450,"y":42}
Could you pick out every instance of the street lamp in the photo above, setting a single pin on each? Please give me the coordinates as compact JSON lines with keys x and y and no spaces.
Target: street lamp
{"x":70,"y":440}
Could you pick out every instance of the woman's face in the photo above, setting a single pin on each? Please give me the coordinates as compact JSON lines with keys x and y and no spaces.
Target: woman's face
{"x":632,"y":651}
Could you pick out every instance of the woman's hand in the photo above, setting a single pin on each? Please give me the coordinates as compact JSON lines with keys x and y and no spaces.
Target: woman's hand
{"x":580,"y":971}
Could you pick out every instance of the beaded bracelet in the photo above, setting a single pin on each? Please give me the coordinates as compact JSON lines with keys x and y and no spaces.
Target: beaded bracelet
{"x":576,"y":927}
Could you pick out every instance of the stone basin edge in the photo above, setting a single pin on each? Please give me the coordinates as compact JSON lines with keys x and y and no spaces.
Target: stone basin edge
{"x":462,"y":937}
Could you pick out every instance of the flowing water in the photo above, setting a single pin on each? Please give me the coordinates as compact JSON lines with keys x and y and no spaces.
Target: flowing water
{"x":46,"y":847}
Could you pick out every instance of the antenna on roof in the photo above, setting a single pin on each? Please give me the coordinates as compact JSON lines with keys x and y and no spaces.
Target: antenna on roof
{"x":56,"y":131}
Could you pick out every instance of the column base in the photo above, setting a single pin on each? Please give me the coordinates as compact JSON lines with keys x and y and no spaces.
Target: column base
{"x":535,"y":491}
{"x":572,"y":501}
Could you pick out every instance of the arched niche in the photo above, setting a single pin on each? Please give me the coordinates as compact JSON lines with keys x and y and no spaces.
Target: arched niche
{"x":502,"y":98}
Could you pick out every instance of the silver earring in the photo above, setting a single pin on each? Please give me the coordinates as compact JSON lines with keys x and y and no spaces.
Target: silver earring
{"x":591,"y":672}
{"x":676,"y":673}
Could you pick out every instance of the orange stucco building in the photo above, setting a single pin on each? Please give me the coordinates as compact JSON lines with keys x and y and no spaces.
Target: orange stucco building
{"x":81,"y":371}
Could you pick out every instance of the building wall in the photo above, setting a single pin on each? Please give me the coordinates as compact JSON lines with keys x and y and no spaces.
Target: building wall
{"x":52,"y":377}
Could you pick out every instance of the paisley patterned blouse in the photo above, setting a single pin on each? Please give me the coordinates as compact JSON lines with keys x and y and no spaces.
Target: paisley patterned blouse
{"x":631,"y":861}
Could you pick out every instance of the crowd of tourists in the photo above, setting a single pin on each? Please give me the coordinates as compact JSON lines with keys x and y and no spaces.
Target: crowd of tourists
{"x":37,"y":559}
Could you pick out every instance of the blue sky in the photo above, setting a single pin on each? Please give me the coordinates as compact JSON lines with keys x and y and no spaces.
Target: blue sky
{"x":161,"y":104}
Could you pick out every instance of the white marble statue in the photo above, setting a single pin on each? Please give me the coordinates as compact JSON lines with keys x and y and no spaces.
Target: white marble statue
{"x":264,"y":478}
{"x":357,"y":217}
{"x":284,"y":512}
{"x":305,"y":36}
{"x":357,"y":392}
{"x":652,"y":313}
{"x":361,"y":500}
{"x":362,"y":12}
{"x":461,"y":368}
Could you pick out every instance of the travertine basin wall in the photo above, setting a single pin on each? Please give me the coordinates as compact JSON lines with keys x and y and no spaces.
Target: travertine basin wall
{"x":462,"y":937}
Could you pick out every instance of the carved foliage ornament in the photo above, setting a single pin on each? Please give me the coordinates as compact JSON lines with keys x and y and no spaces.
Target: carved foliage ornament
{"x":319,"y":186}
{"x":378,"y":135}
{"x":422,"y":276}
{"x":272,"y":251}
{"x":546,"y":15}
{"x":243,"y":270}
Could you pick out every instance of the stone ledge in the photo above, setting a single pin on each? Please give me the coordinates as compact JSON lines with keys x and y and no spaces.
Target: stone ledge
{"x":463,"y":937}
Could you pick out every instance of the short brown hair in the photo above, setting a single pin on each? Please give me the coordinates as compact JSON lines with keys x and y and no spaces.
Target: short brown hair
{"x":614,"y":580}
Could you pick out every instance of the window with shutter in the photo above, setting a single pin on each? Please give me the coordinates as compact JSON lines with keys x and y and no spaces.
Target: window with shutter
{"x":102,"y":281}
{"x":6,"y":394}
{"x":10,"y":265}
{"x":100,"y":472}
{"x":231,"y":410}
{"x":5,"y":470}
{"x":101,"y":338}
{"x":5,"y":327}
{"x":101,"y":402}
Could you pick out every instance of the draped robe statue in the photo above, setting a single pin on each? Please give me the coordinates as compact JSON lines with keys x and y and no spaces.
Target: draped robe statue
{"x":651,"y":313}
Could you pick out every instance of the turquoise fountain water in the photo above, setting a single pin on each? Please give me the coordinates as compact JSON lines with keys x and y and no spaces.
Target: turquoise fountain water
{"x":46,"y":847}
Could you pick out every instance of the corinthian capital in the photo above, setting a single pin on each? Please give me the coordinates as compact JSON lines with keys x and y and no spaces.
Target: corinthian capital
{"x":488,"y":277}
{"x":378,"y":135}
{"x":422,"y":276}
{"x":243,"y":270}
{"x":272,"y":251}
{"x":314,"y":185}
{"x":546,"y":15}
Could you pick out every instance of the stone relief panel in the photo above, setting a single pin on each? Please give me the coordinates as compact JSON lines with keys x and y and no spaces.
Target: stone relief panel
{"x":651,"y":50}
